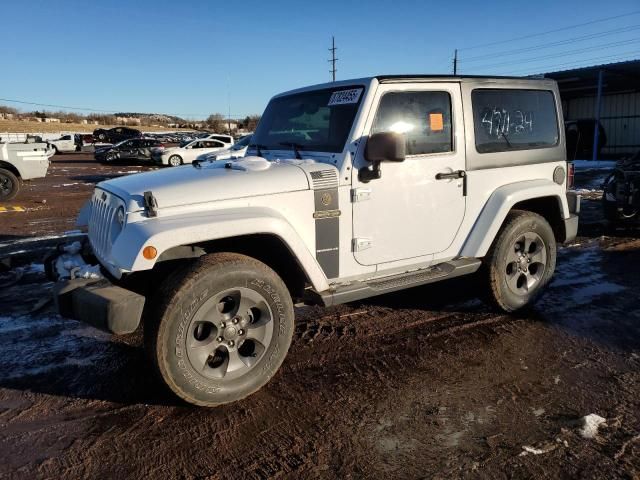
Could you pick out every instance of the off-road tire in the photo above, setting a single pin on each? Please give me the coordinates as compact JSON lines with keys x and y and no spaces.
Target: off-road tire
{"x":191,"y":290}
{"x":516,"y":225}
{"x":177,"y":161}
{"x":9,"y":185}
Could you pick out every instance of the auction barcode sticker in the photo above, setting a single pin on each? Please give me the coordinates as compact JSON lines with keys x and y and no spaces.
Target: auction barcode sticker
{"x":343,"y":97}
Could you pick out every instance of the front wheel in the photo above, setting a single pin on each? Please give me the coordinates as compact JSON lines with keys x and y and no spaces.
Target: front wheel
{"x":521,"y":261}
{"x":221,"y":330}
{"x":9,"y":185}
{"x":175,"y":160}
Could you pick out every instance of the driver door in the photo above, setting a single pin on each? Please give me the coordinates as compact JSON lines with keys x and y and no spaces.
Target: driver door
{"x":411,"y":211}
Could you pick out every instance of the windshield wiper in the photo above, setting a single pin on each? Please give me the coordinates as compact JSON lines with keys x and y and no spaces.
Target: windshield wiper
{"x":504,"y":135}
{"x":258,"y":148}
{"x":296,"y":148}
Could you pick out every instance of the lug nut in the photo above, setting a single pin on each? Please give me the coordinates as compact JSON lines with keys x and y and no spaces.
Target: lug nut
{"x":231,"y":343}
{"x":219,"y":339}
{"x":223,"y":325}
{"x":236,"y":320}
{"x":240,"y":332}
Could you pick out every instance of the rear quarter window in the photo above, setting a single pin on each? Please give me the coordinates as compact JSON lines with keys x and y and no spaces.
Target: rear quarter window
{"x":511,"y":119}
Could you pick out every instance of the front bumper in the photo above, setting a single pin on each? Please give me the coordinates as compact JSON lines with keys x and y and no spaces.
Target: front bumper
{"x":97,"y":302}
{"x":100,"y":304}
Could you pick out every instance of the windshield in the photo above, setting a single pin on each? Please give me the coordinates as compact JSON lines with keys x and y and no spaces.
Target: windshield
{"x":318,"y":120}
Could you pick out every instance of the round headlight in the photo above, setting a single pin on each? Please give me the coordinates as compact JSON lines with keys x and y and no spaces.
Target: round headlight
{"x":120,"y":216}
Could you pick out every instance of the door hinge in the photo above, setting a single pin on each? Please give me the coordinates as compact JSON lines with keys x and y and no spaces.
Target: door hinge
{"x":360,"y":244}
{"x":360,"y":194}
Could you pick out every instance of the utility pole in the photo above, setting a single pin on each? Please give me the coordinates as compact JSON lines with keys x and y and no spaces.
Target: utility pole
{"x":455,"y":61}
{"x":333,"y":58}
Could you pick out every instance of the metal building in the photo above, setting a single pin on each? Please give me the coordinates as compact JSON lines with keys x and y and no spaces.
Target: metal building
{"x":609,"y":93}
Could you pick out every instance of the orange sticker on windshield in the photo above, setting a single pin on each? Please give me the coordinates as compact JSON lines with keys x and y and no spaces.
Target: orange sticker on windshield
{"x":436,"y":122}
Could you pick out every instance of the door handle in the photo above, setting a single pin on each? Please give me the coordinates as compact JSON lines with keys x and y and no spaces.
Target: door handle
{"x":451,"y":175}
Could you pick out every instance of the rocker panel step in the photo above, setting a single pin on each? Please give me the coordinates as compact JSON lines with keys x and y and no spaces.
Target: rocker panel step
{"x":393,"y":283}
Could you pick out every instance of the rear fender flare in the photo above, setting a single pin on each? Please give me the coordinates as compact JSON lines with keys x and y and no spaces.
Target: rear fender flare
{"x":498,"y":206}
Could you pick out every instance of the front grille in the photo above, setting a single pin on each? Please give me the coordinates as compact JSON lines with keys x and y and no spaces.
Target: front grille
{"x":103,"y":209}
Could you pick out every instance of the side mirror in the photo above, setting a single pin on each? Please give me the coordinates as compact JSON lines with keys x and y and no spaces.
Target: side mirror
{"x":382,"y":147}
{"x":385,"y":147}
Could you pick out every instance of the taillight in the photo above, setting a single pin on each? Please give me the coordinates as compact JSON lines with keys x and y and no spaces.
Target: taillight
{"x":570,"y":175}
{"x":161,"y":145}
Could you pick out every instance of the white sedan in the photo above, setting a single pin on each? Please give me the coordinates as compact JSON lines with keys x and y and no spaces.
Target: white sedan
{"x":238,"y":150}
{"x":187,"y":154}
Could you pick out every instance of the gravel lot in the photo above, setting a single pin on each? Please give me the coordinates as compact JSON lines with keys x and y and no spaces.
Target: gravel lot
{"x":427,"y":383}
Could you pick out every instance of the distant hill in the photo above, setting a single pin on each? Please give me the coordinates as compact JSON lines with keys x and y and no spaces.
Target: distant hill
{"x":152,"y":117}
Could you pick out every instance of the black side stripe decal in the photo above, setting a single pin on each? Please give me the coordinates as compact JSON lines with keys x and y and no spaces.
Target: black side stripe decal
{"x":327,"y":215}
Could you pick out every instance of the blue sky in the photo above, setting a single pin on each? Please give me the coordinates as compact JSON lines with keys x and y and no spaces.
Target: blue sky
{"x":191,"y":57}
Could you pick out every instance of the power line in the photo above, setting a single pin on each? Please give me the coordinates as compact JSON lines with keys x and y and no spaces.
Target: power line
{"x":623,"y":56}
{"x":501,"y":42}
{"x":552,"y":44}
{"x":88,"y":109}
{"x":564,"y":54}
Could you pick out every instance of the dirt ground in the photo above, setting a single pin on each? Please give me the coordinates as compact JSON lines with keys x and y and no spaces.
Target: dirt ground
{"x":426,"y":383}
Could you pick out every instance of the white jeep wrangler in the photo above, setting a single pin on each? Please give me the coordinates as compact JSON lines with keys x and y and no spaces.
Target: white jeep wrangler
{"x":349,"y":190}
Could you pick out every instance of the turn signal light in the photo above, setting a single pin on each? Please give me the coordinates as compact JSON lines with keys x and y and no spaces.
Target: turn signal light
{"x":149,"y":252}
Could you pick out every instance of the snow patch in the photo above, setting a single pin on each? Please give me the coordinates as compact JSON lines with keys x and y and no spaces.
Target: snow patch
{"x":594,"y":165}
{"x":590,"y":425}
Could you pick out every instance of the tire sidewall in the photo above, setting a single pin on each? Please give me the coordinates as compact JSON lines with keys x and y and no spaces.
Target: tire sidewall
{"x":15,"y":182}
{"x":527,"y":223}
{"x":173,"y":362}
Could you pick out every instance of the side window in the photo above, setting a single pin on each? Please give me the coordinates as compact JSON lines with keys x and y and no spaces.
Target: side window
{"x":66,"y":137}
{"x":510,"y":119}
{"x":423,"y":117}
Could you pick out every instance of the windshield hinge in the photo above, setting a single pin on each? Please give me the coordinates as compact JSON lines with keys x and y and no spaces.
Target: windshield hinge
{"x":150,"y":204}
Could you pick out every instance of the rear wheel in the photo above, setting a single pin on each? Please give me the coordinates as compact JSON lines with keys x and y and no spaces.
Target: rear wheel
{"x":222,"y":329}
{"x":9,"y":185}
{"x":175,"y":160}
{"x":521,"y":260}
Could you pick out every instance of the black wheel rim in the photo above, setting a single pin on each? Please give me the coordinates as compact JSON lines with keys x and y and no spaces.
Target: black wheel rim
{"x":526,"y":263}
{"x":6,"y":185}
{"x":229,"y":334}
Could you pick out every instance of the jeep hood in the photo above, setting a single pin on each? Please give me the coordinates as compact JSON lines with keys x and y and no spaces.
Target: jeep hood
{"x":213,"y":181}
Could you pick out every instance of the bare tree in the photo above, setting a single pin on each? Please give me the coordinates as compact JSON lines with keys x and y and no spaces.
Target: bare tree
{"x":250,"y":122}
{"x":216,"y":123}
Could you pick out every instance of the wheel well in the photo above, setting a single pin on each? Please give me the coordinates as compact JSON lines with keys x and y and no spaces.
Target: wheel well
{"x":269,"y":249}
{"x":549,"y":208}
{"x":11,"y":168}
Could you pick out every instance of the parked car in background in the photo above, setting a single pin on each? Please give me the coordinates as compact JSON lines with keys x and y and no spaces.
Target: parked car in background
{"x":21,"y":161}
{"x":226,"y":139}
{"x":115,"y":135}
{"x":188,"y":153}
{"x":132,"y":149}
{"x":66,"y":143}
{"x":237,"y":150}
